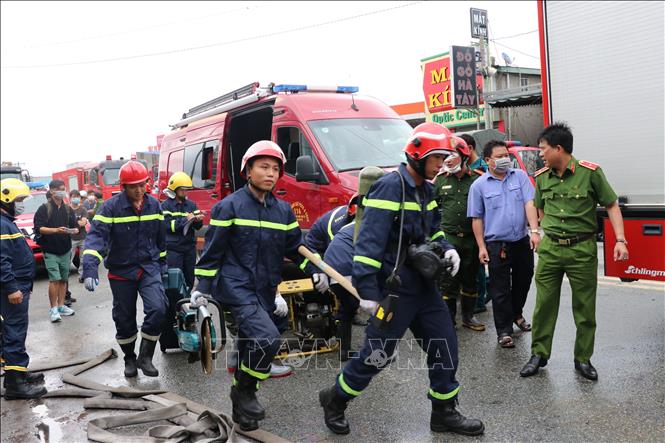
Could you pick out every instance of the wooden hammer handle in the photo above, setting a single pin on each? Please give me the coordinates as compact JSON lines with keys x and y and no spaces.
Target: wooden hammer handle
{"x":316,"y":260}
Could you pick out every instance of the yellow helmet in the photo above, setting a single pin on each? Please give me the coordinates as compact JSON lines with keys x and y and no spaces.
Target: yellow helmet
{"x":179,"y":180}
{"x":11,"y":189}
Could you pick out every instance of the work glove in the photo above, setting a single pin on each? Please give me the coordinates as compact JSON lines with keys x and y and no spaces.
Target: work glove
{"x":452,"y":257}
{"x":198,"y":299}
{"x":321,"y":282}
{"x":282,"y":308}
{"x":90,"y":283}
{"x":368,"y":306}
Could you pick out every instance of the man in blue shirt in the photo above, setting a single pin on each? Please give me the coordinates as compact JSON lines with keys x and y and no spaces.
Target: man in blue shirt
{"x":500,"y":204}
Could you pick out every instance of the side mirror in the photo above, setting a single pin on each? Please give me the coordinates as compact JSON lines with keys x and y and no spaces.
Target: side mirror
{"x":305,"y":170}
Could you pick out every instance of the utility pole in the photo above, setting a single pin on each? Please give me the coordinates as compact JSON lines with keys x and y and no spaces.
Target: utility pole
{"x":485,"y":60}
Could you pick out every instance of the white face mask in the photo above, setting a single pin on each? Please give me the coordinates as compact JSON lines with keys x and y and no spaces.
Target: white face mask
{"x":502,"y":164}
{"x":19,"y":208}
{"x":453,"y":169}
{"x":60,"y":194}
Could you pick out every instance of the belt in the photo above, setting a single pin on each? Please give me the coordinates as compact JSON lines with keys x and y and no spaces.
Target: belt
{"x":458,"y":234}
{"x":569,"y":241}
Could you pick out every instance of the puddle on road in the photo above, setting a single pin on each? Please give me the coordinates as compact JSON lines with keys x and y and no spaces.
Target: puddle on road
{"x":48,"y":430}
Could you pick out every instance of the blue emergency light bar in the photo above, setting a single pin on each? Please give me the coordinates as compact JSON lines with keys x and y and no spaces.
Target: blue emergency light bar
{"x":299,"y":88}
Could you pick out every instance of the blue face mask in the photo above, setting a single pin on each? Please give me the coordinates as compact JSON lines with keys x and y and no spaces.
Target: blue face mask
{"x":76,"y":201}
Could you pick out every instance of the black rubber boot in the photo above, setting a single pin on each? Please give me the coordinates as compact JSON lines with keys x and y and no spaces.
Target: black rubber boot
{"x":34,"y":377}
{"x":245,"y":423}
{"x":334,"y":406}
{"x":243,"y":397}
{"x":16,"y":386}
{"x":445,"y":418}
{"x":452,"y":308}
{"x":144,"y":362}
{"x":468,"y":320}
{"x":130,"y":359}
{"x":344,"y":333}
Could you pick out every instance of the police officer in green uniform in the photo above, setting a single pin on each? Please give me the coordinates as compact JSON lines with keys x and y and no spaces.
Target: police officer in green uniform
{"x":567,"y":192}
{"x":451,"y":189}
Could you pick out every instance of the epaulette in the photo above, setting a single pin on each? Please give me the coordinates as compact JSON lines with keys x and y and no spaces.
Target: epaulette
{"x":479,"y":171}
{"x":541,"y":170}
{"x":589,"y":165}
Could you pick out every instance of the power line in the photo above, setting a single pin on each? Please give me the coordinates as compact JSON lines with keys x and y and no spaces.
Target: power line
{"x":144,"y":28}
{"x":517,"y":50}
{"x":516,"y":35}
{"x":211,"y":45}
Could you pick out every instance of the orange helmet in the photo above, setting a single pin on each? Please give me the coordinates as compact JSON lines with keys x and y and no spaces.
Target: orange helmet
{"x":263,"y":148}
{"x":132,"y":173}
{"x":460,"y":146}
{"x":427,"y":139}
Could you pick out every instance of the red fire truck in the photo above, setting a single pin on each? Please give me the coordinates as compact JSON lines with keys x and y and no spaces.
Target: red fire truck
{"x":593,"y":56}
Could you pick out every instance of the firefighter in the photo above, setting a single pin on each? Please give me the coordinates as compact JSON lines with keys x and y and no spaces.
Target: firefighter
{"x":178,"y":212}
{"x":324,"y":229}
{"x":18,"y":270}
{"x":451,"y":189}
{"x":128,"y":231}
{"x":250,"y":233}
{"x":379,"y":277}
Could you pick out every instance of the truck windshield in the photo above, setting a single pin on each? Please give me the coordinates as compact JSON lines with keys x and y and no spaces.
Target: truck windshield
{"x":532,"y":161}
{"x":10,"y":174}
{"x":111,"y":176}
{"x":356,"y":143}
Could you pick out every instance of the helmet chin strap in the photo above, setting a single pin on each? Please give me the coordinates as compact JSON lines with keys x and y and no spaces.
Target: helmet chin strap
{"x":417,"y":165}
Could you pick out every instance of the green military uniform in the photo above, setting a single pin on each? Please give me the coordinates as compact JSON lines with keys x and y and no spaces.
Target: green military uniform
{"x":569,"y":246}
{"x":451,"y":193}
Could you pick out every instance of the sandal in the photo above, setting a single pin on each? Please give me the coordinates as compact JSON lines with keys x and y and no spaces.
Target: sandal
{"x":522,"y":324}
{"x":506,"y":341}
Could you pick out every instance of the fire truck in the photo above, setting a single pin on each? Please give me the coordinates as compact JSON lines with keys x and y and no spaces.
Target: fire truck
{"x":100,"y":177}
{"x":596,"y":58}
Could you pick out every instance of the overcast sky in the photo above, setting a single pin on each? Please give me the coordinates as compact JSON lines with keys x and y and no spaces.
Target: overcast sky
{"x":84,"y":79}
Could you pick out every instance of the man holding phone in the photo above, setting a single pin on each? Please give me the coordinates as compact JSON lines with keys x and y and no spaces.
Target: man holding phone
{"x":55,"y":222}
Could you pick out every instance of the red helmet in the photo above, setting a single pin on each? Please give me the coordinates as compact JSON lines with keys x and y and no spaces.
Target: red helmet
{"x":263,"y":148}
{"x":132,"y":173}
{"x":460,"y":145}
{"x":352,"y":207}
{"x":427,"y":139}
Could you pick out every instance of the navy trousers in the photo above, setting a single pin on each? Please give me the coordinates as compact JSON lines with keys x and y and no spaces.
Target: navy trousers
{"x":428,"y":318}
{"x":348,"y":304}
{"x":15,"y":330}
{"x":183,"y":260}
{"x":155,"y":303}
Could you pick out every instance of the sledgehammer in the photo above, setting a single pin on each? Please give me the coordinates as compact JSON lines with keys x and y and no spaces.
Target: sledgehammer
{"x":330,"y":272}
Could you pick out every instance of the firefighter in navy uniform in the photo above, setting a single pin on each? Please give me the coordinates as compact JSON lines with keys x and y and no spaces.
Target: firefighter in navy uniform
{"x":250,"y":233}
{"x":419,"y":305}
{"x":325,"y":227}
{"x":17,"y":267}
{"x":178,"y":211}
{"x":128,"y":234}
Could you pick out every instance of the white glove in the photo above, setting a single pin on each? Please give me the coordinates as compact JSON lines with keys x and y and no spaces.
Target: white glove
{"x":198,"y":299}
{"x":368,"y":306}
{"x":282,"y":308}
{"x":90,"y":283}
{"x":452,"y":256}
{"x":321,"y":282}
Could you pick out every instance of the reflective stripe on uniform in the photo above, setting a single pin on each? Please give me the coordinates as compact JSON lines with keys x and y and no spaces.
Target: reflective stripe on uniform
{"x":330,"y":220}
{"x":172,"y":225}
{"x":390,"y":205}
{"x":124,"y":341}
{"x":253,"y":373}
{"x":175,"y":214}
{"x":447,"y":396}
{"x":438,"y":234}
{"x":254,"y":224}
{"x":93,"y":252}
{"x":205,"y":272}
{"x":162,"y":254}
{"x":16,"y":368}
{"x":131,"y":218}
{"x":346,"y":388}
{"x":11,"y":236}
{"x":304,"y":263}
{"x":367,"y":261}
{"x":149,"y":337}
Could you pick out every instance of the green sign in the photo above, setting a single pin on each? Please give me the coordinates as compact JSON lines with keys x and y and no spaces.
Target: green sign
{"x":456,"y":117}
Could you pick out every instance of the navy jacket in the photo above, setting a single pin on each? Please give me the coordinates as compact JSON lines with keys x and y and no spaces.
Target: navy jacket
{"x":126,"y":241}
{"x":376,"y":246}
{"x":339,"y":254}
{"x":246,"y":243}
{"x":324,"y":229}
{"x":175,"y":219}
{"x":17,"y":264}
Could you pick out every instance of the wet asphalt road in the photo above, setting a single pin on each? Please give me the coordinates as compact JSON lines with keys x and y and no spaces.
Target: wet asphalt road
{"x":626,"y":404}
